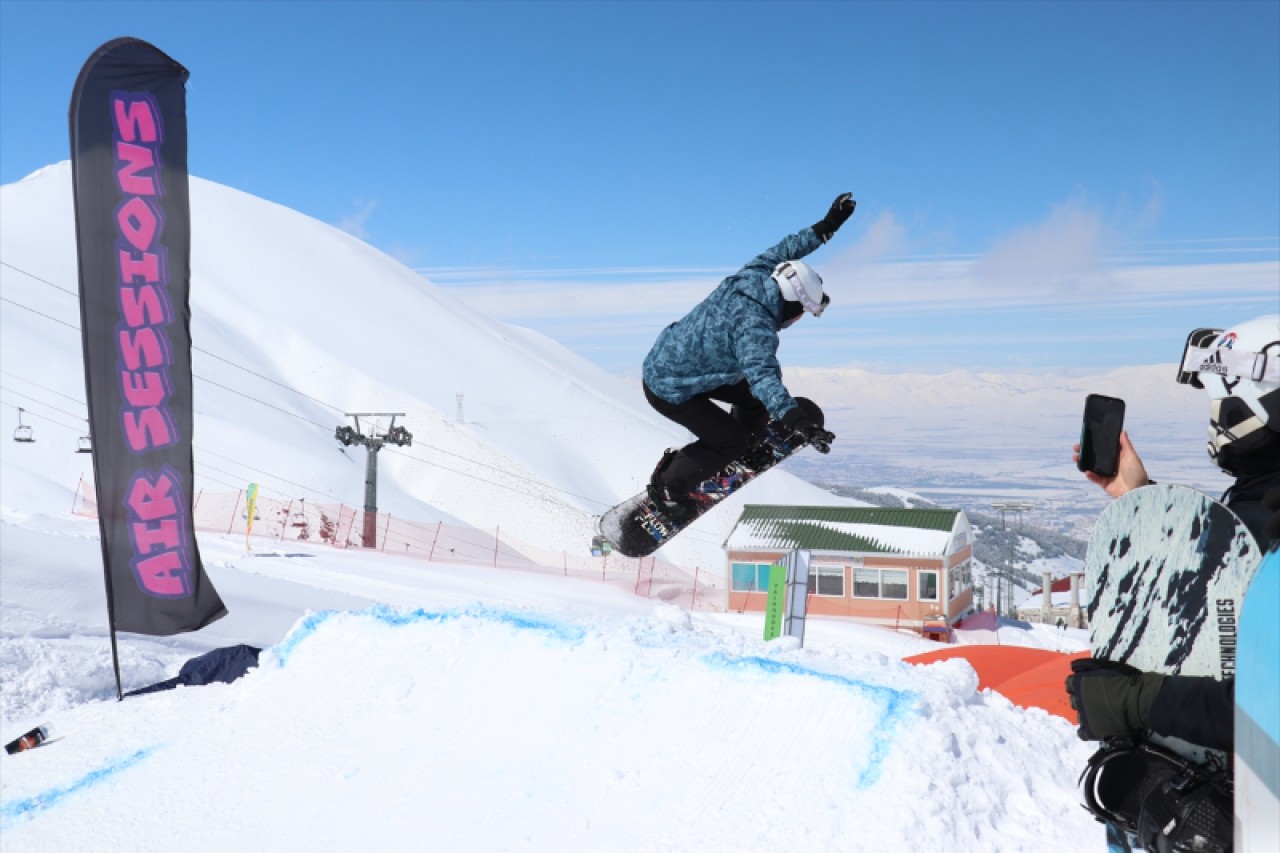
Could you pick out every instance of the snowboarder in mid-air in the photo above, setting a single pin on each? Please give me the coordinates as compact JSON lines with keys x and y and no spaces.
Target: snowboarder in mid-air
{"x":725,"y":350}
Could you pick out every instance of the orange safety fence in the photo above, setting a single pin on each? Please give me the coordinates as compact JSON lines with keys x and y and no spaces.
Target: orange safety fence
{"x":340,"y":526}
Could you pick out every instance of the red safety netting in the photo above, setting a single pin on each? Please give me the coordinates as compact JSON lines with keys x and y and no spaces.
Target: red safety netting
{"x":341,"y":526}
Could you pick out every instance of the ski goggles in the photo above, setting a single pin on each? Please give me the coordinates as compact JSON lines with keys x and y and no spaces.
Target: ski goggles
{"x":1198,"y":357}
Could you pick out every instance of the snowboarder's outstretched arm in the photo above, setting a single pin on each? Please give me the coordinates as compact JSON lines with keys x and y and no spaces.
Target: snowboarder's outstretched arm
{"x":795,"y":246}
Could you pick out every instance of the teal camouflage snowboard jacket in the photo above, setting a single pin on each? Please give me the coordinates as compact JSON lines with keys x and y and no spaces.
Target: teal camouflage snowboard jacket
{"x":730,"y":335}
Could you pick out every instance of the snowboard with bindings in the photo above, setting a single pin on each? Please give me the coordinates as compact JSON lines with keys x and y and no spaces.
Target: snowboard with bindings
{"x":637,"y":527}
{"x":1165,"y":577}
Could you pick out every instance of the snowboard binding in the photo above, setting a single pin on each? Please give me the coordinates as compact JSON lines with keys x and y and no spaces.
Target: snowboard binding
{"x":1163,"y":802}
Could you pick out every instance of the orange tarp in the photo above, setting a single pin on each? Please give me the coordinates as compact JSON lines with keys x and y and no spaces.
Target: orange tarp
{"x":1027,"y":677}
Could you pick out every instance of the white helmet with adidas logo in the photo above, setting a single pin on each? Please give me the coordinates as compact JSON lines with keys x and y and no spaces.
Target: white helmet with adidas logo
{"x":1240,"y":369}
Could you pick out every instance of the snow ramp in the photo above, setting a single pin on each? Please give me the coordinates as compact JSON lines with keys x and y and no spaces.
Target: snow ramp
{"x":498,"y":729}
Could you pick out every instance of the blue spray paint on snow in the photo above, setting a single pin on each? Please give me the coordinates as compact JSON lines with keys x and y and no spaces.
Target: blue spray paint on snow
{"x":31,"y":806}
{"x":896,"y":705}
{"x":401,"y":618}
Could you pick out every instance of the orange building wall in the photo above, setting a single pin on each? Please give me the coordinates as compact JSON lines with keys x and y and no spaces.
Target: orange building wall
{"x":878,"y":610}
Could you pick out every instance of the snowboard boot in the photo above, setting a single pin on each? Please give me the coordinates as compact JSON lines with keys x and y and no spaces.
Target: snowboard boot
{"x":674,"y":503}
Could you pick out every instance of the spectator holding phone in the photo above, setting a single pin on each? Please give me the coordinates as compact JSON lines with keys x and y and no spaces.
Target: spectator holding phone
{"x":1239,"y":368}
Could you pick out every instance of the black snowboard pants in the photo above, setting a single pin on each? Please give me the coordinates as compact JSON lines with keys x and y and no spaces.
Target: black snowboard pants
{"x":722,"y":436}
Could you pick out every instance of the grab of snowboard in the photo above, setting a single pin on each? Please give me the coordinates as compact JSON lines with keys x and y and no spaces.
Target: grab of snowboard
{"x":1165,"y":577}
{"x":637,"y":527}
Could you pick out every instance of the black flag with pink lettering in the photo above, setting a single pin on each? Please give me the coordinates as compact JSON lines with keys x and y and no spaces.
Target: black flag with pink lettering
{"x":133,"y":230}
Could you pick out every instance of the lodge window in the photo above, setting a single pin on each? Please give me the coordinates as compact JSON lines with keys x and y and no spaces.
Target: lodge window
{"x":751,"y":577}
{"x":961,"y":578}
{"x":826,"y":581}
{"x":880,"y":583}
{"x":927,"y":585}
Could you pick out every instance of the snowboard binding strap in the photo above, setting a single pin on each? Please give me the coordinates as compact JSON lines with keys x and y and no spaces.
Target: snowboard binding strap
{"x":1161,"y":800}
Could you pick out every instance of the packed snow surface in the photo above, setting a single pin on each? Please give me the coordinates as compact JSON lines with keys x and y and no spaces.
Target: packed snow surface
{"x":500,"y":710}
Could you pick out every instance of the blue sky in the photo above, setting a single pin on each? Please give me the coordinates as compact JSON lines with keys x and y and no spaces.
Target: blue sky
{"x":1040,"y":185}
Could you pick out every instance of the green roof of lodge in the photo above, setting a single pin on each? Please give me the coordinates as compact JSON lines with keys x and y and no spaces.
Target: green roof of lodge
{"x":855,"y":529}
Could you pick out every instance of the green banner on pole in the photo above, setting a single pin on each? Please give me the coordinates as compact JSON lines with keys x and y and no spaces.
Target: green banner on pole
{"x":776,"y":603}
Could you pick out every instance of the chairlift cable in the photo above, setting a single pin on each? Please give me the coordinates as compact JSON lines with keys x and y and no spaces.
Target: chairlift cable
{"x":38,"y":278}
{"x":54,"y":421}
{"x":42,"y":387}
{"x":595,"y":501}
{"x":42,"y":403}
{"x":41,"y":313}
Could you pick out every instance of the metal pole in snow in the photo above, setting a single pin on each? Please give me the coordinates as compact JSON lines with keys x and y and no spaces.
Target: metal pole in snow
{"x":232,"y":523}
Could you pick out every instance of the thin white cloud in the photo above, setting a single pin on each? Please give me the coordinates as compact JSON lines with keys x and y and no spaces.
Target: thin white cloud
{"x":354,"y":223}
{"x":937,"y":284}
{"x":1063,"y":253}
{"x":1075,"y":286}
{"x":1151,"y":212}
{"x":885,"y":237}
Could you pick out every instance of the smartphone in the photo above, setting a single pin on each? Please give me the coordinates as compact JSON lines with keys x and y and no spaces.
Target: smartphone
{"x":1100,"y":435}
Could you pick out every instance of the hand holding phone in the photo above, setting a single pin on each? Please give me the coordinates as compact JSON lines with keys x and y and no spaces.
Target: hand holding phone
{"x":1100,"y":435}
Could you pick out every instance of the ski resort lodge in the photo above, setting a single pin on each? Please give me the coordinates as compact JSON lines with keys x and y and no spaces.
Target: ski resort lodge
{"x":906,"y":568}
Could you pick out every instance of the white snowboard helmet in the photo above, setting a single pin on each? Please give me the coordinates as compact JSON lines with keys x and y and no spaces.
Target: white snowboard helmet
{"x":799,"y":283}
{"x":1240,"y":369}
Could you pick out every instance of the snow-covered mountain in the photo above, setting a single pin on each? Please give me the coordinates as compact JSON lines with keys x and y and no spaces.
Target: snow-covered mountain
{"x":294,"y":324}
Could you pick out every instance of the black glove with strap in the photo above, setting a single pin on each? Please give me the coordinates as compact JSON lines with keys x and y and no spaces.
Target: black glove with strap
{"x":799,"y":423}
{"x":1111,"y":699}
{"x":841,"y":210}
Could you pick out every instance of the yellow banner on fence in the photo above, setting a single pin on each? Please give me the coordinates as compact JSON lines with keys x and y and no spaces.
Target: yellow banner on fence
{"x":251,"y":512}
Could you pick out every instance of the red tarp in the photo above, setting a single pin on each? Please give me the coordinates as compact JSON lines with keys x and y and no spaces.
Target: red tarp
{"x":1027,"y":677}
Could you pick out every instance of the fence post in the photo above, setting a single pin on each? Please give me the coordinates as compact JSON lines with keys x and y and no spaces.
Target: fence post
{"x":76,"y":496}
{"x":352,"y":525}
{"x":233,"y":511}
{"x":284,"y":522}
{"x":496,"y":531}
{"x":386,"y":533}
{"x":432,"y":552}
{"x":194,"y":503}
{"x":693,"y":599}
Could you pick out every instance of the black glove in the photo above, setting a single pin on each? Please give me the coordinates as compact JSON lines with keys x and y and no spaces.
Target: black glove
{"x":1111,"y":699}
{"x":799,"y":423}
{"x":841,"y":210}
{"x":1271,"y":500}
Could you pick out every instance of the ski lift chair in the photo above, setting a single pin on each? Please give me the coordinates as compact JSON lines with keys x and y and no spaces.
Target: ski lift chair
{"x":299,"y":517}
{"x":23,"y":433}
